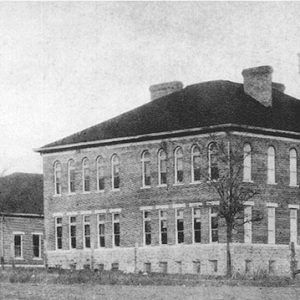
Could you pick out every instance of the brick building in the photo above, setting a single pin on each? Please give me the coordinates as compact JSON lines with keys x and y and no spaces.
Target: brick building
{"x":128,"y":193}
{"x":21,"y":220}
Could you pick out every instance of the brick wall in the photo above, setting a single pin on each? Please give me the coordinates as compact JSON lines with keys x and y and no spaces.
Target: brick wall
{"x":26,"y":227}
{"x":132,"y":196}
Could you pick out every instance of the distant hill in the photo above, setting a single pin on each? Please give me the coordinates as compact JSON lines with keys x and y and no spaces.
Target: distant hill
{"x":21,"y":193}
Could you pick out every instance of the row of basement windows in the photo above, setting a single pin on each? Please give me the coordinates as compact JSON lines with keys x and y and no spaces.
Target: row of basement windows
{"x":213,"y":168}
{"x":36,"y":245}
{"x":164,"y":228}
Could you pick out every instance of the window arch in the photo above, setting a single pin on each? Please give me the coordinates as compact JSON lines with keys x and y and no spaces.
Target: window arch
{"x":196,"y":164}
{"x":271,"y":165}
{"x":115,"y":168}
{"x":162,"y":167}
{"x":146,"y":174}
{"x":247,"y":163}
{"x":178,"y":165}
{"x":86,"y":175}
{"x":213,"y":168}
{"x":57,"y":178}
{"x":293,"y":167}
{"x":71,"y":176}
{"x":100,"y":173}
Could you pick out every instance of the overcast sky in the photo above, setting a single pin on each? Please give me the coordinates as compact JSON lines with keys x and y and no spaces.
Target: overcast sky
{"x":67,"y":66}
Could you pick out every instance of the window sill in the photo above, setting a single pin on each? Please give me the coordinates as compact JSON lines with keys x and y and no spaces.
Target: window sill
{"x":115,"y":190}
{"x":196,"y":182}
{"x":294,"y":186}
{"x":272,"y":183}
{"x":100,"y":191}
{"x":248,"y":181}
{"x":85,"y":192}
{"x":37,"y":258}
{"x":161,"y":185}
{"x":178,"y":184}
{"x":19,"y":258}
{"x":57,"y":195}
{"x":145,"y":187}
{"x":71,"y":194}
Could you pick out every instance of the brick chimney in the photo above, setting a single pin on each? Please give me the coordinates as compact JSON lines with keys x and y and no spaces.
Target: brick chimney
{"x":258,"y":84}
{"x":163,"y":89}
{"x":278,"y":86}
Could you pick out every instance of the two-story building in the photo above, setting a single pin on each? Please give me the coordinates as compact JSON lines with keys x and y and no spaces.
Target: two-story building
{"x":130,"y":194}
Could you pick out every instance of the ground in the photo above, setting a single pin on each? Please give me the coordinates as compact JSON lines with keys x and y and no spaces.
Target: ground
{"x":87,"y":291}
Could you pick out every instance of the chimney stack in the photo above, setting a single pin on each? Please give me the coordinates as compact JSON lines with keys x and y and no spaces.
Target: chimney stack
{"x":258,"y":84}
{"x":164,"y":89}
{"x":278,"y":86}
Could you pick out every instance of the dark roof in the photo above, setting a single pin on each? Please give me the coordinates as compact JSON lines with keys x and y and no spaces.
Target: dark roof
{"x":204,"y":104}
{"x":21,"y":193}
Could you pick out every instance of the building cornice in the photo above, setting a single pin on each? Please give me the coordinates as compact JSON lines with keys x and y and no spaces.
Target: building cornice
{"x":178,"y":133}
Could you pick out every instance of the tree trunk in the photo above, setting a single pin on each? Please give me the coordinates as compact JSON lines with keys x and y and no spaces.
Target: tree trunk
{"x":228,"y":242}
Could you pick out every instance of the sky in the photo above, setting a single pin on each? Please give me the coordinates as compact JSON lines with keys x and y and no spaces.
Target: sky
{"x":65,"y":66}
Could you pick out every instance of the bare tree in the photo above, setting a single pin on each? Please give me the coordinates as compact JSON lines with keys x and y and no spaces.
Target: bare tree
{"x":225,"y":178}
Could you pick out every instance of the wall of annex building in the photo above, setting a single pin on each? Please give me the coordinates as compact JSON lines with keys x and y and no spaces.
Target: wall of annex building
{"x":131,"y":196}
{"x":25,"y":227}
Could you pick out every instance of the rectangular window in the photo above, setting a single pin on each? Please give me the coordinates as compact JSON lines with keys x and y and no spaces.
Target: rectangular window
{"x":214,"y":224}
{"x":101,"y":229}
{"x":179,"y":267}
{"x":163,"y":171}
{"x":179,"y":226}
{"x":147,"y":267}
{"x":87,"y":231}
{"x":116,"y":230}
{"x":72,"y":181}
{"x":58,"y":232}
{"x":214,"y":265}
{"x":147,"y":227}
{"x":197,"y":267}
{"x":179,"y":170}
{"x":247,"y":266}
{"x":293,"y":225}
{"x":18,"y":251}
{"x":248,"y":224}
{"x":72,"y":232}
{"x":197,"y":225}
{"x":163,"y":267}
{"x":163,"y":227}
{"x":147,"y":174}
{"x":115,"y":266}
{"x":36,"y":245}
{"x":271,"y":225}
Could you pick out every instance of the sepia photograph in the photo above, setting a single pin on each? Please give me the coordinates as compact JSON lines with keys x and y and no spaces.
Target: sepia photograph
{"x":150,"y":150}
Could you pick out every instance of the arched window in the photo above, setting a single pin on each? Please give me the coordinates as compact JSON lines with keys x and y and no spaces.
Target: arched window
{"x":71,"y":176}
{"x":293,"y":167}
{"x":178,"y":165}
{"x":271,"y":165}
{"x":146,"y":175}
{"x":247,"y":163}
{"x":213,"y":168}
{"x":57,"y":178}
{"x":115,"y":167}
{"x":86,"y":175}
{"x":162,"y":167}
{"x":100,"y":174}
{"x":196,"y":164}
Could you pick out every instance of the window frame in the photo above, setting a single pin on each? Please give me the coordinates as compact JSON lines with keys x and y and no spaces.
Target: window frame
{"x":39,"y":234}
{"x":86,"y":178}
{"x":146,"y":163}
{"x":71,"y":168}
{"x":100,"y":166}
{"x":247,"y":163}
{"x":115,"y":164}
{"x":145,"y":233}
{"x":162,"y":156}
{"x":213,"y":215}
{"x":101,"y":222}
{"x":216,"y":165}
{"x":194,"y":216}
{"x":193,"y":155}
{"x":271,"y":225}
{"x":271,"y":165}
{"x":248,"y":224}
{"x":21,"y":235}
{"x":161,"y":219}
{"x":177,"y":157}
{"x":177,"y":219}
{"x":87,"y":236}
{"x":57,"y":179}
{"x":294,"y":225}
{"x":72,"y":224}
{"x":113,"y":230}
{"x":58,"y":225}
{"x":293,"y":168}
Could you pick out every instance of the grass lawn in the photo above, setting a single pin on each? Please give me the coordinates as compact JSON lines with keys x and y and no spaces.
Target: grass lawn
{"x":88,"y":291}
